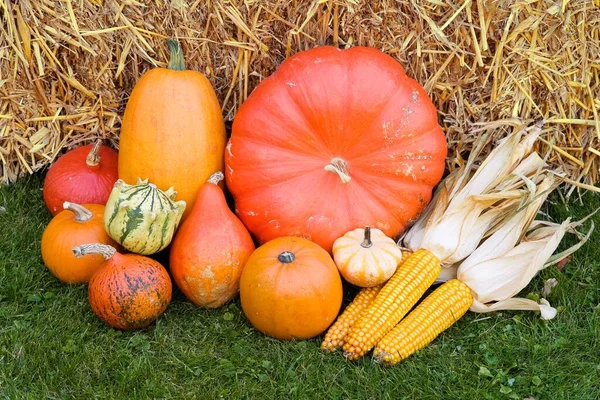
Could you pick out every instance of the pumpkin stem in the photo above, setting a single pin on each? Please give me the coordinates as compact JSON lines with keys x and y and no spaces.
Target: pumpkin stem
{"x":216,"y":178}
{"x":93,"y":158}
{"x":286,"y":257}
{"x":367,"y":241}
{"x":340,"y":167}
{"x":176,"y":62}
{"x":82,"y":214}
{"x":96,"y":248}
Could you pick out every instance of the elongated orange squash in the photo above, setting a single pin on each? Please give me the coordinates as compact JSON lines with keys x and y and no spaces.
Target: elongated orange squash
{"x":173,"y":133}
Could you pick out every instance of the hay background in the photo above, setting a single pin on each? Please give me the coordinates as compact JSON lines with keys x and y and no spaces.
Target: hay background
{"x":68,"y":66}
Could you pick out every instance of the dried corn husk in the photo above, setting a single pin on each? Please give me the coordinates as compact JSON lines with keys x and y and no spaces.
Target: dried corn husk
{"x":513,"y":254}
{"x":484,"y":231}
{"x":501,"y":161}
{"x":494,"y":279}
{"x":471,"y":201}
{"x":512,"y":230}
{"x":508,"y":231}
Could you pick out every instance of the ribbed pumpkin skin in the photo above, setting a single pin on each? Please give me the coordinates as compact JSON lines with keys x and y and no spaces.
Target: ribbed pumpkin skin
{"x":356,"y":104}
{"x":63,"y":233}
{"x":297,"y":300}
{"x":129,"y":291}
{"x":209,"y":250}
{"x":70,"y":179}
{"x":366,"y":266}
{"x":172,"y":133}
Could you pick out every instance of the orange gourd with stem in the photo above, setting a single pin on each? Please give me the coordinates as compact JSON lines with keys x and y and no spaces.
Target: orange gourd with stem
{"x":290,"y":289}
{"x":128,"y":291}
{"x":334,"y":140}
{"x":84,"y":175}
{"x":75,"y":225}
{"x":210,"y":249}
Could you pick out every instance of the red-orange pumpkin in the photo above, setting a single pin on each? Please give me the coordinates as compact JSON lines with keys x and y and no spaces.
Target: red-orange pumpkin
{"x":84,"y":175}
{"x":334,"y":140}
{"x":290,"y":288}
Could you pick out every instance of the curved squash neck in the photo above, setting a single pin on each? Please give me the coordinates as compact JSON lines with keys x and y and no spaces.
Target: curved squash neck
{"x":210,"y":203}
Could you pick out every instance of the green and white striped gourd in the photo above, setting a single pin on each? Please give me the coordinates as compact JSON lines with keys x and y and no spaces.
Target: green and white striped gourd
{"x":141,"y":217}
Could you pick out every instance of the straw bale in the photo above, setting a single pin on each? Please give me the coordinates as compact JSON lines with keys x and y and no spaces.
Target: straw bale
{"x":68,"y":66}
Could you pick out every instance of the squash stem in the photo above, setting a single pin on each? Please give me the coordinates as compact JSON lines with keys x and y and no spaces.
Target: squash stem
{"x":93,"y":158}
{"x":286,"y":257}
{"x":176,"y":62}
{"x":340,"y":167}
{"x":367,"y":241}
{"x":216,"y":178}
{"x":95,"y":248}
{"x":82,"y":214}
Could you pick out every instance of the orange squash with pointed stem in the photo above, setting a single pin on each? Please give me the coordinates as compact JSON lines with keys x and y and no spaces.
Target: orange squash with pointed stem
{"x":173,"y":133}
{"x":210,"y":249}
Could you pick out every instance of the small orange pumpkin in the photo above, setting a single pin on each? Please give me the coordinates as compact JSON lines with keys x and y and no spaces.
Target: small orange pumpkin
{"x":74,"y":225}
{"x":290,"y":288}
{"x":129,"y":291}
{"x":366,"y":257}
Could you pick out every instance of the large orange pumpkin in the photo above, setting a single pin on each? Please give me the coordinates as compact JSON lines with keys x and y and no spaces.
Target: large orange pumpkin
{"x":290,"y":288}
{"x":332,"y":141}
{"x":173,"y":133}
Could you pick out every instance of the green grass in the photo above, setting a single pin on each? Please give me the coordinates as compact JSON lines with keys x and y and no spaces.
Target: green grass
{"x":52,"y":346}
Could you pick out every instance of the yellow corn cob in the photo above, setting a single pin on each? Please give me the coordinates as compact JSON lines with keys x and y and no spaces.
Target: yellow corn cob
{"x":334,"y":338}
{"x":395,"y":299}
{"x":444,"y":306}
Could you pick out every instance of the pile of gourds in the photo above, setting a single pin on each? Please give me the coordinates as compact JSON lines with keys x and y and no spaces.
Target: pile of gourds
{"x":329,"y":159}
